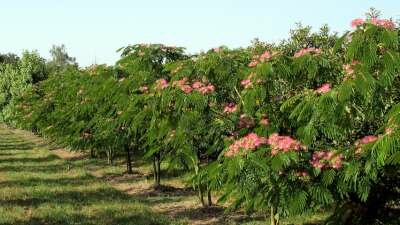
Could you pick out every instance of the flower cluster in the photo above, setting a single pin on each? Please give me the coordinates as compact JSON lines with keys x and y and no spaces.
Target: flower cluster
{"x":349,"y":69}
{"x":306,"y":51}
{"x":247,"y":83}
{"x":325,"y":88}
{"x":327,"y":159}
{"x":363,"y":141}
{"x":144,"y":89}
{"x":161,"y":84}
{"x":230,"y":108}
{"x":249,"y":142}
{"x":185,"y":86}
{"x":203,"y":88}
{"x":261,"y":58}
{"x":282,"y":143}
{"x":388,"y":24}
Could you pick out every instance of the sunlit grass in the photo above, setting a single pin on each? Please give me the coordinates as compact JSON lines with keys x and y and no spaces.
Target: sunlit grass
{"x":37,"y":187}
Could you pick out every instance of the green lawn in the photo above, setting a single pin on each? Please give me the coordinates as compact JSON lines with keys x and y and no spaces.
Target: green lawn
{"x":38,"y":187}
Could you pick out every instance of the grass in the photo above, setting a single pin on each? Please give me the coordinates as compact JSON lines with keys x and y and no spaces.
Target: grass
{"x":38,"y":187}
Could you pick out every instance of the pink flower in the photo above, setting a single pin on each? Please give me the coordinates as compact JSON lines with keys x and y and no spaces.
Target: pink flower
{"x":249,"y":142}
{"x":388,"y":130}
{"x":161,"y":84}
{"x":305,"y":51}
{"x":186,"y":88}
{"x":230,"y":108}
{"x":207,"y":89}
{"x":388,"y":24}
{"x":264,"y":121}
{"x":265,"y":56}
{"x":283,"y":143}
{"x":144,"y":89}
{"x":357,"y":22}
{"x":326,"y":159}
{"x":181,"y":82}
{"x":197,"y":85}
{"x":246,"y":83}
{"x":368,"y":139}
{"x":216,"y":50}
{"x":253,"y":63}
{"x":348,"y":69}
{"x":325,"y":88}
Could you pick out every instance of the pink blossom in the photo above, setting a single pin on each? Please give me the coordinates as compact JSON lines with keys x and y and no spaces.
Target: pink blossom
{"x":368,"y":139}
{"x":388,"y":130}
{"x":265,"y":56}
{"x":283,"y":143}
{"x":230,"y":108}
{"x":144,"y":89}
{"x":348,"y":69}
{"x":388,"y":24}
{"x":207,"y":89}
{"x":357,"y":22}
{"x":253,"y":63}
{"x":325,"y":88}
{"x":186,"y":88}
{"x":326,"y":159}
{"x":264,"y":121}
{"x":250,"y":142}
{"x":181,"y":82}
{"x":246,"y":83}
{"x":197,"y":85}
{"x":161,"y":84}
{"x":305,"y":51}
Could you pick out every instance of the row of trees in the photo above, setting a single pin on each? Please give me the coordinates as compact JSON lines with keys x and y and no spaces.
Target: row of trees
{"x":277,"y":128}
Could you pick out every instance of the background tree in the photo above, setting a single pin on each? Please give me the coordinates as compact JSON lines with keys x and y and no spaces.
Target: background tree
{"x":60,"y":58}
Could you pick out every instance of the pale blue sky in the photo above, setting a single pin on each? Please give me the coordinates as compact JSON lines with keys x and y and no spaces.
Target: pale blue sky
{"x":94,"y":29}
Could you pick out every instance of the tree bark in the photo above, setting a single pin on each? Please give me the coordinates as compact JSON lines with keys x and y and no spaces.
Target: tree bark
{"x":128,"y":160}
{"x":209,"y":197}
{"x":157,"y":169}
{"x":110,"y":156}
{"x":273,"y":221}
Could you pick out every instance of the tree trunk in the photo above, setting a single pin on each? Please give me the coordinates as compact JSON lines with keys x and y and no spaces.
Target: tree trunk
{"x":110,"y":156}
{"x":157,"y":169}
{"x":128,"y":160}
{"x":92,"y":153}
{"x":154,"y":169}
{"x":209,"y":197}
{"x":273,"y":220}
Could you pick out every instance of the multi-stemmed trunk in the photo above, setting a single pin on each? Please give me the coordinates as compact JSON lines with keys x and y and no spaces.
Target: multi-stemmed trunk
{"x":110,"y":156}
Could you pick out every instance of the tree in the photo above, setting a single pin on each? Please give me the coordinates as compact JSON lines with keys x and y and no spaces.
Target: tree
{"x":9,"y":58}
{"x":60,"y":58}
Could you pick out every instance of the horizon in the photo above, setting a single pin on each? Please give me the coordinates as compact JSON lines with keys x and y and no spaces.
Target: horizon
{"x":92,"y":31}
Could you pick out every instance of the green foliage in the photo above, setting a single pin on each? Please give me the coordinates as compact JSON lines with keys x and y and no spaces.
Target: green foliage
{"x":323,"y":113}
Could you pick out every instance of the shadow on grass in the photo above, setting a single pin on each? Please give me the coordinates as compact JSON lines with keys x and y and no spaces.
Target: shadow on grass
{"x":60,"y":192}
{"x":34,"y":160}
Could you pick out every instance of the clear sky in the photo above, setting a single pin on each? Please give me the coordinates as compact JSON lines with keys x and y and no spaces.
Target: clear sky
{"x":93,"y":30}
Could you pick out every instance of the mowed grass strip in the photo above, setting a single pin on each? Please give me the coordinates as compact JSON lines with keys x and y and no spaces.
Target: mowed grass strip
{"x":37,"y":187}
